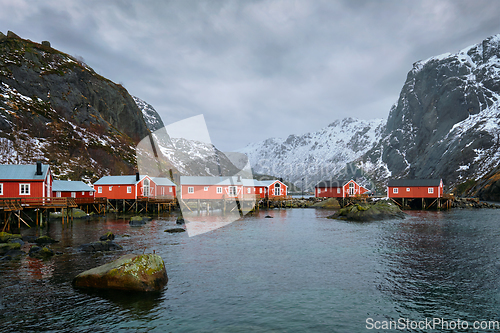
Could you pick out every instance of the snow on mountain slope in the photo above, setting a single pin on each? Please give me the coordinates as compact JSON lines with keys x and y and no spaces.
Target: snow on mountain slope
{"x":446,"y":123}
{"x":317,"y":155}
{"x":184,"y":157}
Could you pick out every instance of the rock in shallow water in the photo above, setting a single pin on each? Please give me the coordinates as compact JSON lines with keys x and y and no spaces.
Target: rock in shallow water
{"x":131,"y":272}
{"x":380,"y":210}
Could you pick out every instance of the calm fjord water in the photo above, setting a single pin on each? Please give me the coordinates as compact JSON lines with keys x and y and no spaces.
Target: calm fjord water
{"x":297,"y":272}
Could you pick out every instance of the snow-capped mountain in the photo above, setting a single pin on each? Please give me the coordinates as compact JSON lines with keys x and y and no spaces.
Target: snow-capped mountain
{"x":446,"y":123}
{"x":184,"y":157}
{"x":317,"y":155}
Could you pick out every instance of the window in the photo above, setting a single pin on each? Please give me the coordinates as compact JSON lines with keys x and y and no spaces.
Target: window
{"x":205,"y":188}
{"x":99,"y":189}
{"x":170,"y":189}
{"x":58,"y":194}
{"x":1,"y":189}
{"x":24,"y":189}
{"x":407,"y":189}
{"x":190,"y":189}
{"x":249,"y":190}
{"x":395,"y":190}
{"x":83,"y":193}
{"x":338,"y":189}
{"x":73,"y":194}
{"x":260,"y":190}
{"x":232,"y":190}
{"x":219,"y":190}
{"x":319,"y":190}
{"x":110,"y":188}
{"x":430,"y":190}
{"x":129,"y":189}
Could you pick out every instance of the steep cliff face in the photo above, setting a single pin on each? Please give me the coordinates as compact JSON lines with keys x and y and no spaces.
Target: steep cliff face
{"x":317,"y":155}
{"x":56,"y":109}
{"x":446,"y":123}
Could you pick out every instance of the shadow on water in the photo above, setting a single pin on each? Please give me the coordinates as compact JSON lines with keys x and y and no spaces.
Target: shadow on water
{"x":137,"y":303}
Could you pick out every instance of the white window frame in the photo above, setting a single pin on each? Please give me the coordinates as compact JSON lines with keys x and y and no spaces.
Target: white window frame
{"x":219,"y":190}
{"x":24,"y":189}
{"x":407,"y":189}
{"x":83,"y":192}
{"x":319,"y":190}
{"x":190,"y":189}
{"x":249,"y":190}
{"x":129,"y":189}
{"x":260,"y":190}
{"x":1,"y":188}
{"x":395,"y":190}
{"x":338,"y":190}
{"x":430,"y":190}
{"x":170,"y":189}
{"x":110,"y":188}
{"x":232,"y":190}
{"x":73,"y":195}
{"x":205,"y":188}
{"x":58,"y":194}
{"x":99,"y":189}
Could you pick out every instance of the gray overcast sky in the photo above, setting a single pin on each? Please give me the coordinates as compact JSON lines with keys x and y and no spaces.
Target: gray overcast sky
{"x":256,"y":69}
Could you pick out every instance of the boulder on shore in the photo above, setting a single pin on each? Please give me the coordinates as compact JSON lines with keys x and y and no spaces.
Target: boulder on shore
{"x":175,"y":230}
{"x":5,"y":237}
{"x":379,"y":210}
{"x":131,"y":272}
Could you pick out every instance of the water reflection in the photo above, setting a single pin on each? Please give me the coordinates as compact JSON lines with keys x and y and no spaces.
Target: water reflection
{"x":442,"y":264}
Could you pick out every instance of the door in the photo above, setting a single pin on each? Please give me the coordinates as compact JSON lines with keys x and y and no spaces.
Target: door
{"x":351,"y":189}
{"x":277,"y":189}
{"x":146,"y":187}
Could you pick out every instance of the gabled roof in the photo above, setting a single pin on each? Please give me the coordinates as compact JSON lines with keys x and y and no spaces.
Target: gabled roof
{"x":332,"y":183}
{"x":22,"y":172}
{"x":162,"y":181}
{"x":70,"y":186}
{"x":268,"y":183}
{"x":414,"y":182}
{"x":119,"y":180}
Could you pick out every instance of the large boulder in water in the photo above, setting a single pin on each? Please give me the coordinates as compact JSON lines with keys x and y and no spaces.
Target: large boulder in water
{"x":100,"y":246}
{"x":380,"y":210}
{"x":131,"y":272}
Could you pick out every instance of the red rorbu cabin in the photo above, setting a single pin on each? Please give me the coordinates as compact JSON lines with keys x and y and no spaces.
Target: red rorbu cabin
{"x":339,"y":189}
{"x":415,"y":188}
{"x":131,"y":187}
{"x":271,"y":189}
{"x":211,"y":188}
{"x":25,"y":181}
{"x":72,"y":189}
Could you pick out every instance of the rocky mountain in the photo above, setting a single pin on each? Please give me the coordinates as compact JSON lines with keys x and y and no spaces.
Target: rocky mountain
{"x":317,"y":155}
{"x":182,"y":156}
{"x":56,"y":109}
{"x":446,"y":123}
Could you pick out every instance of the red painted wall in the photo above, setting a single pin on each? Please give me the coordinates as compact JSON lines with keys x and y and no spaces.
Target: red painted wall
{"x":165,"y":191}
{"x":415,"y":192}
{"x":283,"y":190}
{"x":332,"y":192}
{"x":210,"y":194}
{"x":67,"y":194}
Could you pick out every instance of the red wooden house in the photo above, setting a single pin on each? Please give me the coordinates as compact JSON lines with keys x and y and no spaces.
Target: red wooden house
{"x":25,"y":181}
{"x":415,"y":188}
{"x":72,"y":189}
{"x":218,"y":188}
{"x":124,"y":187}
{"x":211,"y":188}
{"x":165,"y":188}
{"x":339,"y":189}
{"x":270,"y":189}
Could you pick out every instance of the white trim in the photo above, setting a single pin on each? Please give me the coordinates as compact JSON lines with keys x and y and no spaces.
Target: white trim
{"x":190,"y":189}
{"x":23,"y":187}
{"x":1,"y":188}
{"x":219,"y":189}
{"x":430,"y":190}
{"x":395,"y":190}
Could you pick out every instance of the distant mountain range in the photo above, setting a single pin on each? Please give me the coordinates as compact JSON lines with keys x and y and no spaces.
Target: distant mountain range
{"x":446,"y":124}
{"x":317,"y":155}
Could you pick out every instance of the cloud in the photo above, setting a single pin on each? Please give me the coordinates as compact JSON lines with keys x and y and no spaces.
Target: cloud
{"x":250,"y":65}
